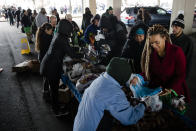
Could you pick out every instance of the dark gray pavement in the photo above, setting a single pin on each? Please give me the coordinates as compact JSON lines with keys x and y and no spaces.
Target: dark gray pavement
{"x":21,"y":105}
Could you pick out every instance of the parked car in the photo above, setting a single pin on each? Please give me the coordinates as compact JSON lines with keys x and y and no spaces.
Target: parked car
{"x":158,"y":16}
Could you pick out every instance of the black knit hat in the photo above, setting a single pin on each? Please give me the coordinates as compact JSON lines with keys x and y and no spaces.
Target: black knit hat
{"x":179,"y":21}
{"x":96,"y":17}
{"x":110,"y":8}
{"x":119,"y":69}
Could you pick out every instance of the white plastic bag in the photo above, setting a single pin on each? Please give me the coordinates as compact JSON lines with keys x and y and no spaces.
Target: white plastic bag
{"x":153,"y":102}
{"x":77,"y":70}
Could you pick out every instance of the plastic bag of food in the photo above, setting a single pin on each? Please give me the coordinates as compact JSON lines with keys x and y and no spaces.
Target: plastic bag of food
{"x":141,"y":89}
{"x":153,"y":102}
{"x":77,"y":70}
{"x":85,"y":81}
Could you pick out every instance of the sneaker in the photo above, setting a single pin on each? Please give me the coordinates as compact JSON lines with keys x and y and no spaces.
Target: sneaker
{"x":1,"y":69}
{"x":61,"y":113}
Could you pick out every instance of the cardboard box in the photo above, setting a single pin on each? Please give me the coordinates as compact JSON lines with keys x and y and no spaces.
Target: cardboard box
{"x":64,"y":95}
{"x":22,"y":67}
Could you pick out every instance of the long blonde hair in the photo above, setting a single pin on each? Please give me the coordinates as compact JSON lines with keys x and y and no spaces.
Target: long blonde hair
{"x":145,"y":59}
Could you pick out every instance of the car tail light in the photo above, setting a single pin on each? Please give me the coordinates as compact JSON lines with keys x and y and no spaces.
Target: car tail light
{"x":129,"y":17}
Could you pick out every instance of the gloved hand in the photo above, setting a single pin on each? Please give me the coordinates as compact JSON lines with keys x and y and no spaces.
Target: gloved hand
{"x":153,"y":103}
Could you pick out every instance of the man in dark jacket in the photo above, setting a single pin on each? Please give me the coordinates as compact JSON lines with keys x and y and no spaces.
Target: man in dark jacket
{"x":180,"y":39}
{"x":115,"y":36}
{"x":51,"y":65}
{"x":11,"y":17}
{"x":134,"y":46}
{"x":86,"y":19}
{"x":17,"y":13}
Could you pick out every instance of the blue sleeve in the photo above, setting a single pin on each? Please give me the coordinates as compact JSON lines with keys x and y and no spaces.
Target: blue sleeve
{"x":86,"y":35}
{"x":121,"y":109}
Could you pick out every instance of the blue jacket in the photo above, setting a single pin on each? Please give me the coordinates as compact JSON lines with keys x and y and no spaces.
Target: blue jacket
{"x":90,"y":29}
{"x":105,"y":93}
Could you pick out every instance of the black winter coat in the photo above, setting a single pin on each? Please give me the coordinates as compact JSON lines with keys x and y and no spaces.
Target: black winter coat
{"x":187,"y":46}
{"x":45,"y":41}
{"x":26,"y":21}
{"x":116,"y":40}
{"x":86,"y":21}
{"x":18,"y":12}
{"x":51,"y":65}
{"x":133,"y":51}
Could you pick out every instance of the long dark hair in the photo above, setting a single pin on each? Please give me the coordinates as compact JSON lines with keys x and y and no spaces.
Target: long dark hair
{"x":40,"y":32}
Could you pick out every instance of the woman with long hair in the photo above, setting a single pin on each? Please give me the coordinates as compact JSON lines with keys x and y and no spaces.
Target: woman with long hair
{"x":43,"y":40}
{"x":163,"y":64}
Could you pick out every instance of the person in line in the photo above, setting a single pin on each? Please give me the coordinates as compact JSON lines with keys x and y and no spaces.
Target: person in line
{"x":180,"y":39}
{"x":26,"y":22}
{"x":115,"y":36}
{"x":41,"y":18}
{"x":11,"y":17}
{"x":134,"y":46}
{"x":33,"y":26}
{"x":6,"y":14}
{"x":53,"y":22}
{"x":51,"y":65}
{"x":143,"y":17}
{"x":86,"y":19}
{"x":163,"y":64}
{"x":75,"y":26}
{"x":91,"y":31}
{"x":43,"y":40}
{"x":76,"y":29}
{"x":108,"y":12}
{"x":106,"y":94}
{"x":55,"y":13}
{"x":18,"y":18}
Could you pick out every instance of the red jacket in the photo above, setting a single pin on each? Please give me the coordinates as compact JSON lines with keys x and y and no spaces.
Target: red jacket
{"x":170,"y":71}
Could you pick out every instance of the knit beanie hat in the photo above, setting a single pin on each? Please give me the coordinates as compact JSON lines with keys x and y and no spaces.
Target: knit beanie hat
{"x":140,"y":31}
{"x":110,"y":8}
{"x":179,"y":21}
{"x":96,"y":17}
{"x":119,"y":69}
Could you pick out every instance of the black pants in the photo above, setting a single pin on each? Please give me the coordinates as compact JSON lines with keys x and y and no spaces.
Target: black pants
{"x":11,"y":21}
{"x":54,"y":86}
{"x":106,"y":122}
{"x":18,"y":22}
{"x":45,"y":84}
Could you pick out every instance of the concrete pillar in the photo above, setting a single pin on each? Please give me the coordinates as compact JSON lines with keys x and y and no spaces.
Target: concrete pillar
{"x":116,"y":5}
{"x":187,"y":8}
{"x":92,"y":6}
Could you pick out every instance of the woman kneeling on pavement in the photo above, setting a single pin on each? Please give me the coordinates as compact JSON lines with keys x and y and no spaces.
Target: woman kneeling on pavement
{"x":51,"y":65}
{"x":43,"y":40}
{"x":163,"y":64}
